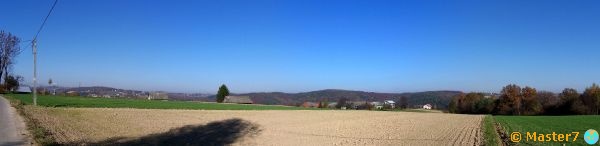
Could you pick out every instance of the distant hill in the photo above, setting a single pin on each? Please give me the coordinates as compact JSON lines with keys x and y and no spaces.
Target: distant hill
{"x":440,"y":99}
{"x":93,"y":88}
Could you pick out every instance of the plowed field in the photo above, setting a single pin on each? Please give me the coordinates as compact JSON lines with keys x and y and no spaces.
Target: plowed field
{"x":153,"y":126}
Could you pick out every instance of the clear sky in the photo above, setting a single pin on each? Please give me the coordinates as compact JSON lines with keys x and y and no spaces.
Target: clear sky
{"x":304,"y":45}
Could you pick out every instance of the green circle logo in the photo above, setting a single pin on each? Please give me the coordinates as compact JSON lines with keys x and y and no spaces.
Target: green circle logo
{"x":591,"y":136}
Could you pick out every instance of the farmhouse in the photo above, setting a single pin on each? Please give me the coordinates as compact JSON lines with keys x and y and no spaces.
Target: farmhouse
{"x":427,"y":106}
{"x":357,"y":104}
{"x":310,"y":104}
{"x":238,"y":99}
{"x":72,"y":93}
{"x":390,"y":103}
{"x":377,"y":105}
{"x":23,"y":89}
{"x":332,"y":105}
{"x":158,"y":96}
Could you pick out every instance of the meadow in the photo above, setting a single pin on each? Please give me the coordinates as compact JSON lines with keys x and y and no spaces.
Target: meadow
{"x":91,"y":102}
{"x":549,"y":124}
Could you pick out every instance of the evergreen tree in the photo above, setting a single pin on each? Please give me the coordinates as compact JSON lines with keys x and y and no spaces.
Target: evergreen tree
{"x":223,"y":91}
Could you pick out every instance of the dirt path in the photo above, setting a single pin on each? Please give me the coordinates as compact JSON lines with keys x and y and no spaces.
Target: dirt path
{"x":272,"y":127}
{"x":12,"y":128}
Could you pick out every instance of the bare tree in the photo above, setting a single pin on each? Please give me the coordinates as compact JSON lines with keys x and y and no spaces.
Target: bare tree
{"x":341,"y":103}
{"x":571,"y":103}
{"x":549,"y":101}
{"x":9,"y":49}
{"x":403,"y":102}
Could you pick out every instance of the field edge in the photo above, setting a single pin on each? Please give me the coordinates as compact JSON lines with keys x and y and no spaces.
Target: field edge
{"x":490,"y":134}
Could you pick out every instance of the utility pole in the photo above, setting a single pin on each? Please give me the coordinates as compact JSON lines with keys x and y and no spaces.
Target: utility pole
{"x":33,"y":46}
{"x":34,"y":50}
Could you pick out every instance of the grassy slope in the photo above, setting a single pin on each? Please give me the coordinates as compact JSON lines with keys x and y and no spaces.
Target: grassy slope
{"x":549,"y":124}
{"x":63,"y":101}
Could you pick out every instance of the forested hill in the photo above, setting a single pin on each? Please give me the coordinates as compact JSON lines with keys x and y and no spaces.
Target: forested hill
{"x":440,"y":99}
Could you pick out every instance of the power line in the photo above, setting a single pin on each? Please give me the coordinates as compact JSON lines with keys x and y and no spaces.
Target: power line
{"x":45,"y":19}
{"x":34,"y":51}
{"x":28,"y":45}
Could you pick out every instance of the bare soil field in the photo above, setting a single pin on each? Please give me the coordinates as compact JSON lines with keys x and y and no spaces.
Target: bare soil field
{"x":119,"y":126}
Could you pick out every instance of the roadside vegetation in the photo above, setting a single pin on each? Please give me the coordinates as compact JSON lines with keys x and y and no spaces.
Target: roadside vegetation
{"x":75,"y":101}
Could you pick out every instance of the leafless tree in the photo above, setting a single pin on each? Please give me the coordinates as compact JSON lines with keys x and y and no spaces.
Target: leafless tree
{"x":9,"y":49}
{"x":547,"y":99}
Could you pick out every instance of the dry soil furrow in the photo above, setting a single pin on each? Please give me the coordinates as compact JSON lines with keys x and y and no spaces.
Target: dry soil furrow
{"x":276,"y":127}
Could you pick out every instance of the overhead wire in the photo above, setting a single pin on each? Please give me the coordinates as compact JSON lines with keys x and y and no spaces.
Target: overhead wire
{"x":45,"y":19}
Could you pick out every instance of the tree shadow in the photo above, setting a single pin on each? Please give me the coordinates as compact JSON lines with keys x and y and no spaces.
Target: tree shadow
{"x":215,"y":133}
{"x":13,"y":143}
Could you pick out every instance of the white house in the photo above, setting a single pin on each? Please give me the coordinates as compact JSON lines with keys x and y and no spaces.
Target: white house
{"x":332,"y":105}
{"x":427,"y":106}
{"x":157,"y":96}
{"x":391,"y":103}
{"x":377,"y":105}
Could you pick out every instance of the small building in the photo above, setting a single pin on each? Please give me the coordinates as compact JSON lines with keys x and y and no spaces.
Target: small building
{"x":23,"y":90}
{"x":158,"y":96}
{"x":390,"y":103}
{"x":377,"y":105}
{"x":332,"y":105}
{"x":310,"y":104}
{"x":357,"y":104}
{"x":238,"y":99}
{"x":427,"y":106}
{"x":72,"y":93}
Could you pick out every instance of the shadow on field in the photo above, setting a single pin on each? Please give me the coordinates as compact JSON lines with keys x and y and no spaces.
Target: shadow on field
{"x":215,"y":133}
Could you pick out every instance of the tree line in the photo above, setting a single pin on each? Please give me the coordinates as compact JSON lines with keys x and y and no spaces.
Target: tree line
{"x":514,"y":100}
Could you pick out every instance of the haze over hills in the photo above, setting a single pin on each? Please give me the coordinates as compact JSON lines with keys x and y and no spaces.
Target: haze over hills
{"x":440,"y":99}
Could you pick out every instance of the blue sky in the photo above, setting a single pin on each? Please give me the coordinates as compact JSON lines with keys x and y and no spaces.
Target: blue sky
{"x":304,"y":45}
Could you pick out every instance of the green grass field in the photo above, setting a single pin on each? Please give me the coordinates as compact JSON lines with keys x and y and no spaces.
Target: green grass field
{"x":64,"y":101}
{"x":549,"y":124}
{"x":489,"y":132}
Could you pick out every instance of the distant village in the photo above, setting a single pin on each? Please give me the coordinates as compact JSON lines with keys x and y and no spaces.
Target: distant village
{"x":108,"y":92}
{"x":358,"y":105}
